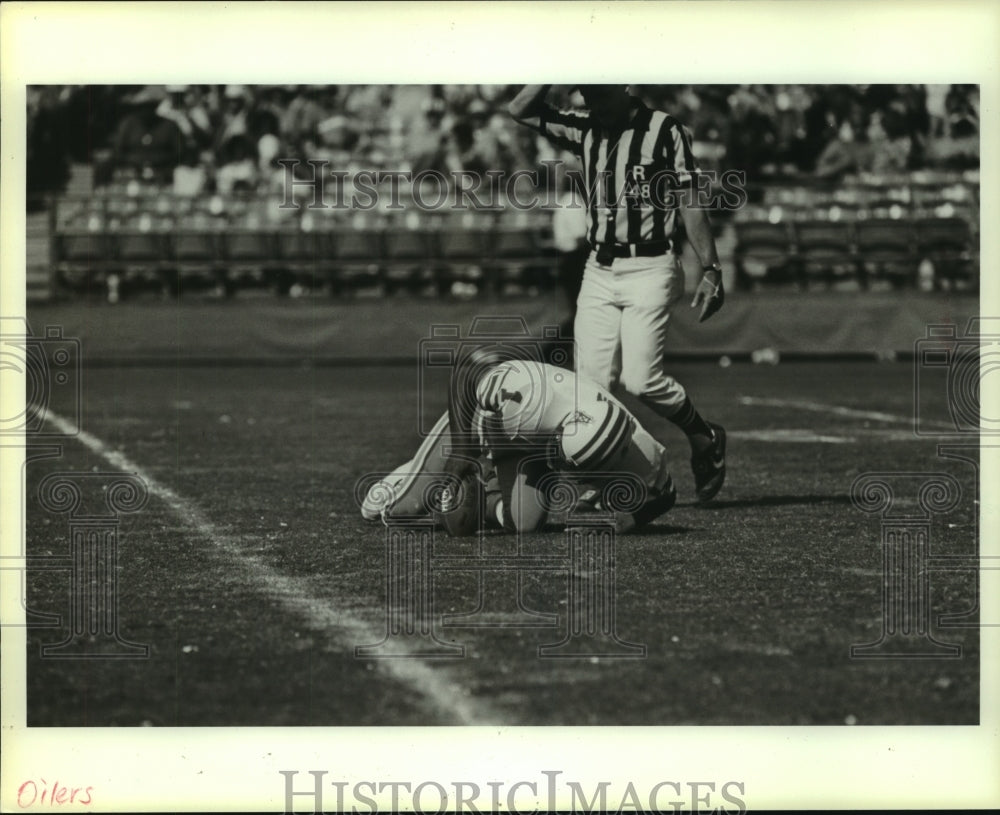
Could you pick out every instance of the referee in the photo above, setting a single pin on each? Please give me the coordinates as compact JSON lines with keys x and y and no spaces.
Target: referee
{"x":639,"y":173}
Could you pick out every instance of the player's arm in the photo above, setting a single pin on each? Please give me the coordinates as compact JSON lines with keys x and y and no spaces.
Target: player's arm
{"x":464,"y":411}
{"x":462,"y":516}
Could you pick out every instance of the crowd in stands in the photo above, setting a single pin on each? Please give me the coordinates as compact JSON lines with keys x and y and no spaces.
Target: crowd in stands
{"x":827,"y":131}
{"x":227,"y":138}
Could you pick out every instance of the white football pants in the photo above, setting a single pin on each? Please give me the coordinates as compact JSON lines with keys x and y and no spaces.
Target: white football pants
{"x":621,"y":326}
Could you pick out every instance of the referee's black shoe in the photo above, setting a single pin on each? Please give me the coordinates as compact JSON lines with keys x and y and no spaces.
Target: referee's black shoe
{"x":709,"y":466}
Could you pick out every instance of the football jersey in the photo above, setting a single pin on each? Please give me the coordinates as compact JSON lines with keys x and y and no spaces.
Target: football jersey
{"x":630,"y":174}
{"x":520,"y":403}
{"x":526,"y":401}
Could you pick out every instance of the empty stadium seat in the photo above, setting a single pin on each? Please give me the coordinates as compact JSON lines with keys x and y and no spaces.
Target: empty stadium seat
{"x":824,"y":251}
{"x":462,"y":246}
{"x":300,"y":256}
{"x":81,"y":258}
{"x":885,"y":249}
{"x":948,"y":244}
{"x":139,"y":253}
{"x":521,"y":255}
{"x":764,"y":252}
{"x":355,"y":253}
{"x":195,"y":259}
{"x":249,"y":257}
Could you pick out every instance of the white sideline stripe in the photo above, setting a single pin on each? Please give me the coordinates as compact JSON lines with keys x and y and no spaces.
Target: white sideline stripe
{"x":836,"y":410}
{"x":319,"y":615}
{"x":806,"y":436}
{"x":792,"y":436}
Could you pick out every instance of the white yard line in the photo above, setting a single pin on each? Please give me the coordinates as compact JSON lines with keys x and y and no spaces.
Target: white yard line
{"x":836,"y":410}
{"x":321,"y":615}
{"x":791,"y":436}
{"x":807,"y":436}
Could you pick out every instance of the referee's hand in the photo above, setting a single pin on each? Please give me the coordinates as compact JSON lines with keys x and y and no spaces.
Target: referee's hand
{"x":710,"y":294}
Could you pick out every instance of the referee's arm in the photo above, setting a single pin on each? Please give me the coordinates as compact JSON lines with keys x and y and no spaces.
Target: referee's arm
{"x":563,"y":128}
{"x":710,"y":293}
{"x":699,"y":232}
{"x":528,"y":102}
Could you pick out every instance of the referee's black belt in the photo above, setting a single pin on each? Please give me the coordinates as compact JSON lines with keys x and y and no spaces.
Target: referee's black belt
{"x":649,"y":249}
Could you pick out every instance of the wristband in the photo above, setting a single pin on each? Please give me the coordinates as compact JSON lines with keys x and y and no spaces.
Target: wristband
{"x":715,"y":267}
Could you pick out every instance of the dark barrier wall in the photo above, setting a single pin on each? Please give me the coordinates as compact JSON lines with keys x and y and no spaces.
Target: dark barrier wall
{"x":868,"y":323}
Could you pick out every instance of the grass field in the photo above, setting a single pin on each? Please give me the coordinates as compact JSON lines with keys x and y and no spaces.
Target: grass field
{"x":252,"y":577}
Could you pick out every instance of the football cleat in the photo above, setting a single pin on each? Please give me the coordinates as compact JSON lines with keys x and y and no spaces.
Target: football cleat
{"x":709,"y":466}
{"x":385,"y":492}
{"x":655,"y":507}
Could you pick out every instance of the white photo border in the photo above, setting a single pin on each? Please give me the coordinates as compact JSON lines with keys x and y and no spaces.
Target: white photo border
{"x":227,"y":769}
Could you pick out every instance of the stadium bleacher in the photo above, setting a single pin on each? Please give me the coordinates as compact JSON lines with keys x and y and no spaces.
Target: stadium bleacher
{"x":899,"y":232}
{"x":158,"y":241}
{"x":917,"y":231}
{"x":125,"y":230}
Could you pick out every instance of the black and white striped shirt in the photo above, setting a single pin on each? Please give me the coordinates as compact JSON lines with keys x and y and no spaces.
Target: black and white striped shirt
{"x":631,"y":175}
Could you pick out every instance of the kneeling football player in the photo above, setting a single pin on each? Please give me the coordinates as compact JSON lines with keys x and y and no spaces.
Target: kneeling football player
{"x":514,"y":432}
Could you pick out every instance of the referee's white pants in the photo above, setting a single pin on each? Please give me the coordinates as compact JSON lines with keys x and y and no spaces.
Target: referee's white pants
{"x":621,"y":326}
